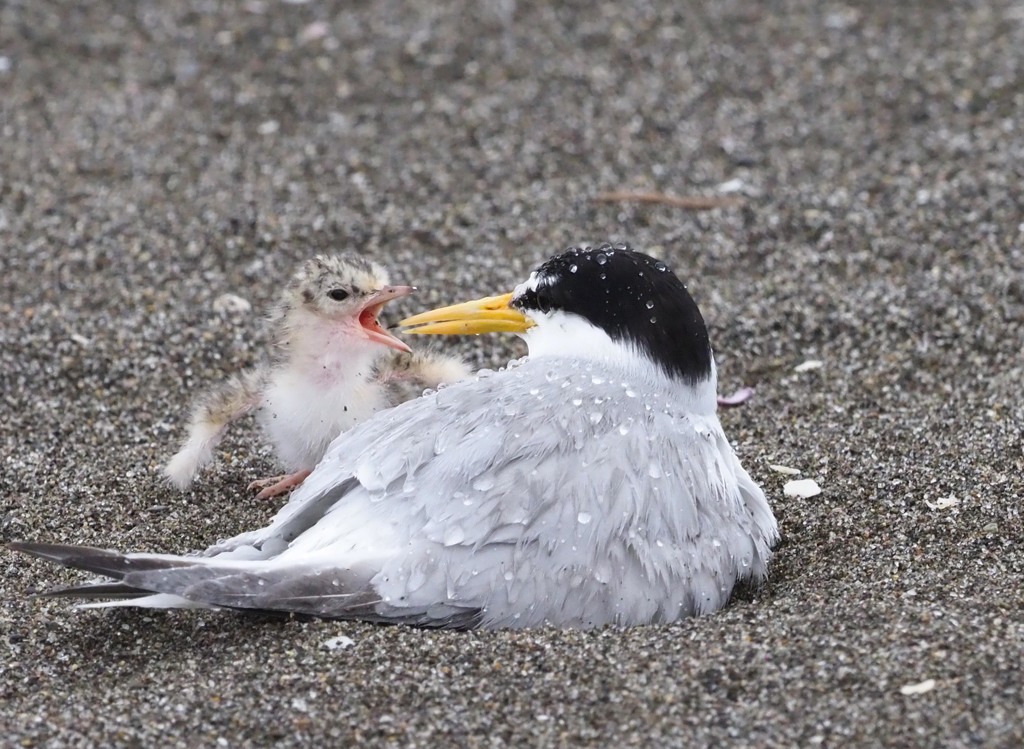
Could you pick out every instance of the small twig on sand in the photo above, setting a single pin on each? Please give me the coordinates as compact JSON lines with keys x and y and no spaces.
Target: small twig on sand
{"x":692,"y":203}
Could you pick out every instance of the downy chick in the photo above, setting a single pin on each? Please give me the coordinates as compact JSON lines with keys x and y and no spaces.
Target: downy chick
{"x":334,"y":367}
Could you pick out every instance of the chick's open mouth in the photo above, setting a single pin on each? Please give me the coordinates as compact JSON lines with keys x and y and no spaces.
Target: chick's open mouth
{"x":370,"y":322}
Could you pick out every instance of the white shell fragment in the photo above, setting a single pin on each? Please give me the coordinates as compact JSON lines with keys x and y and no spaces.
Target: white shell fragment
{"x":809,"y":365}
{"x":341,"y":642}
{"x":785,"y":470}
{"x":943,"y":503}
{"x":314,"y":31}
{"x":731,"y":186}
{"x":231,"y":303}
{"x":269,"y":127}
{"x":920,"y":688}
{"x":802,"y":488}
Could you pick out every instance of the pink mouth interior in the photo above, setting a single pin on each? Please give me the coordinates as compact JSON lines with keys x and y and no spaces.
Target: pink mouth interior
{"x":368,"y":321}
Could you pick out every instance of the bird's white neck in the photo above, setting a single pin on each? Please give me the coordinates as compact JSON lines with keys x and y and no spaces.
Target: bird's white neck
{"x":558,"y":334}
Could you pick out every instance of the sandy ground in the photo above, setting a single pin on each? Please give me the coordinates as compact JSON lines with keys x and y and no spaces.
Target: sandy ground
{"x":155,"y":156}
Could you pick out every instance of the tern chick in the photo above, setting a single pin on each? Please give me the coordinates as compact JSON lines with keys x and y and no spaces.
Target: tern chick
{"x":588,"y":484}
{"x":334,"y":367}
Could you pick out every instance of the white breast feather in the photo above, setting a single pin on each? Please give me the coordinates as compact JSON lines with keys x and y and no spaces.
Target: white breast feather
{"x":302,"y":414}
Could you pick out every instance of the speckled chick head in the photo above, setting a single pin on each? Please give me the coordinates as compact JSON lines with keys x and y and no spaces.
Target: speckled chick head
{"x":333,"y":286}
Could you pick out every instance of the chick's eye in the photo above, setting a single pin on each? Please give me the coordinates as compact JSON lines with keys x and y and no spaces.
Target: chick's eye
{"x":338,"y":295}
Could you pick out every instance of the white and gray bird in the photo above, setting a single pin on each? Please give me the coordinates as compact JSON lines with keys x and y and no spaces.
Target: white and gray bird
{"x":587,"y":484}
{"x":334,"y":367}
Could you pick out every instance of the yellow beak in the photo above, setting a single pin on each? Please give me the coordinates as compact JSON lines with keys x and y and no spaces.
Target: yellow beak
{"x":489,"y":315}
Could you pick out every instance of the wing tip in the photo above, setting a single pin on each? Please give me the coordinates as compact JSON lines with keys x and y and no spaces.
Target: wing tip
{"x":53,"y":552}
{"x":107,"y":562}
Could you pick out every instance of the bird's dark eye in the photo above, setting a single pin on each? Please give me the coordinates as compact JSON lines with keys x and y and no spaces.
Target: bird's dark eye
{"x":338,"y":295}
{"x":541,"y":300}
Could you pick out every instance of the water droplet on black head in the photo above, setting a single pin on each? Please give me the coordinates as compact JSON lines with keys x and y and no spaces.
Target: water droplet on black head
{"x":676,"y":338}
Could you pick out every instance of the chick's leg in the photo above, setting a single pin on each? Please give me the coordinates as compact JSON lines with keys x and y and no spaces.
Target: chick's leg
{"x":275,"y":485}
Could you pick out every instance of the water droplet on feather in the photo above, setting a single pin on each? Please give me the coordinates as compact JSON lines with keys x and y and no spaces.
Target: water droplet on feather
{"x":453,"y":535}
{"x":484,"y":482}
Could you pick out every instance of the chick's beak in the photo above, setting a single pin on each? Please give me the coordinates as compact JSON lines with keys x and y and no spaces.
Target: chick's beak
{"x":372,"y":306}
{"x":489,"y":315}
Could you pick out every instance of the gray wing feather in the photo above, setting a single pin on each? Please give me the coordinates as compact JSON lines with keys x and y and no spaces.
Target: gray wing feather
{"x":101,"y":589}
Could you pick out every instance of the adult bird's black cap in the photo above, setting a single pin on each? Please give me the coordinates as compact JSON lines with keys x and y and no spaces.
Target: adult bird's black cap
{"x":633,"y":297}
